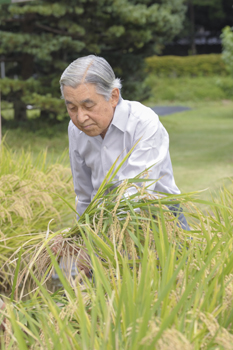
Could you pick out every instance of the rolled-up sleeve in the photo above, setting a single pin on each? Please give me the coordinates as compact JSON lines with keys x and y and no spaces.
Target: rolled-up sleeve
{"x":81,"y":175}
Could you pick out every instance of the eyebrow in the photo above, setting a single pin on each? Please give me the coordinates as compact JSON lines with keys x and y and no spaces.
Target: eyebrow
{"x":68,"y":102}
{"x":87,"y":100}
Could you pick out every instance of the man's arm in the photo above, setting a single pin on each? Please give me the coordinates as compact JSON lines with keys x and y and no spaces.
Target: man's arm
{"x":81,"y":176}
{"x":152,"y":152}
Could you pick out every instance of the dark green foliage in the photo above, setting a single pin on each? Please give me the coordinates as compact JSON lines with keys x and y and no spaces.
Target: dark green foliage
{"x":204,"y":19}
{"x":40,"y":38}
{"x":212,"y":14}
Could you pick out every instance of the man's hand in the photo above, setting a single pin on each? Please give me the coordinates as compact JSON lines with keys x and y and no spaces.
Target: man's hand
{"x":58,"y":245}
{"x":62,"y":248}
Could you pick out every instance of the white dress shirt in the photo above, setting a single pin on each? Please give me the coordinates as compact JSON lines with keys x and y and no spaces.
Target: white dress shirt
{"x":92,"y":157}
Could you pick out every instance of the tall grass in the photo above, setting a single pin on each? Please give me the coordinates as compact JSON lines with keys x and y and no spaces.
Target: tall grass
{"x":30,"y":192}
{"x":154,"y":285}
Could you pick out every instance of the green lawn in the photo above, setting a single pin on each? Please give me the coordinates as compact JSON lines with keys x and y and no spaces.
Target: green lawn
{"x":201,"y":143}
{"x":54,"y":139}
{"x":185,"y":89}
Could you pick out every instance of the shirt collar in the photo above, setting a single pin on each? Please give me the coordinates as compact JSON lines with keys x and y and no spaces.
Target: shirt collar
{"x":120,"y":118}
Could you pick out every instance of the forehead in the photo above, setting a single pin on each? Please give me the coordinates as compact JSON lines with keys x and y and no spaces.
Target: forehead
{"x":81,"y":94}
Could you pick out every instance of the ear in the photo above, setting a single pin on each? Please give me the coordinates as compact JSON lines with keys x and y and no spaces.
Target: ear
{"x":115,"y":97}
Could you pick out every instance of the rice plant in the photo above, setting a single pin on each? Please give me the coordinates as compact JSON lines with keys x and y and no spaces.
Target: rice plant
{"x":154,"y":285}
{"x":30,"y":194}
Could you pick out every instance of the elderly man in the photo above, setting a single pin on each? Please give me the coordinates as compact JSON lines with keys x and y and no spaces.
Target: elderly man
{"x":104,"y":126}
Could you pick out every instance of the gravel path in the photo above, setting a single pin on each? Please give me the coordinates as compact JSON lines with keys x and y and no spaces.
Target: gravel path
{"x":165,"y":110}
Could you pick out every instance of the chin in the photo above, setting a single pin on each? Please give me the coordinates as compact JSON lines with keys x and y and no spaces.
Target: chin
{"x":91,"y":133}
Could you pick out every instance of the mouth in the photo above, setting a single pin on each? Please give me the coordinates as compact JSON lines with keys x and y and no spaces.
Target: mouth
{"x":87,"y":126}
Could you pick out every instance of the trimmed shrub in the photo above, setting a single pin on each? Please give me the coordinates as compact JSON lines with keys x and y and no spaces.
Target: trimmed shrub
{"x":176,"y":66}
{"x":226,"y":84}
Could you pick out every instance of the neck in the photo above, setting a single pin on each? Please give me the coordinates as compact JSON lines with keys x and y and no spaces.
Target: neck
{"x":105,"y":131}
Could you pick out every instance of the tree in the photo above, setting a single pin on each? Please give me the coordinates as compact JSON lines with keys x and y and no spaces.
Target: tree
{"x":227,"y":43}
{"x":208,"y":15}
{"x":39,"y":39}
{"x":205,"y":18}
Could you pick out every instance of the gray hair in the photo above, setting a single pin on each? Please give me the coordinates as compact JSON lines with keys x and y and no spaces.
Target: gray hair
{"x":94,"y":70}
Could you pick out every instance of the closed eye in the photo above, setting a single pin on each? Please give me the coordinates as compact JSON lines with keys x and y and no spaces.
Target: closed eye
{"x":72,"y":108}
{"x":88,"y":106}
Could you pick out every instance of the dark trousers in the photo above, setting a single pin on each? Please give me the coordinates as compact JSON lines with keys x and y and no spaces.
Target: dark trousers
{"x":177,"y":211}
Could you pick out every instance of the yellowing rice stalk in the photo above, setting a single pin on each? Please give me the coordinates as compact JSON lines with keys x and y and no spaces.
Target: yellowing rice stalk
{"x":30,"y":196}
{"x":154,"y":286}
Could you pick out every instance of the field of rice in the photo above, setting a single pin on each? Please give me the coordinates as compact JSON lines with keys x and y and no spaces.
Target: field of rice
{"x":154,"y":285}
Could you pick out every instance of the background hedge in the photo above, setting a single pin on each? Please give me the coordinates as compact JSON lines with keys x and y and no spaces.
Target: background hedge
{"x":176,"y":66}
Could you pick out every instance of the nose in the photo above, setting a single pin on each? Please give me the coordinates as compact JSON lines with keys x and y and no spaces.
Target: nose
{"x":82,"y":116}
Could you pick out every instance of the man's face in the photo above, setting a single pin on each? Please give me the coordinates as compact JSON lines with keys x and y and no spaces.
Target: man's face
{"x":89,"y":111}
